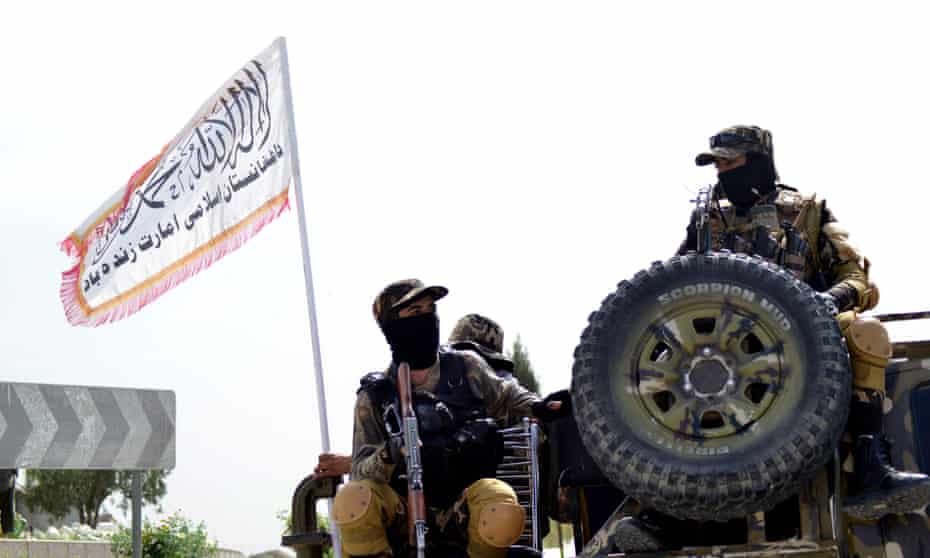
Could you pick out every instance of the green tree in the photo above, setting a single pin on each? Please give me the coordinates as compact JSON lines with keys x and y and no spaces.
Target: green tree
{"x":153,"y":487}
{"x":173,"y":537}
{"x":58,"y":492}
{"x":522,"y":369}
{"x":322,"y":523}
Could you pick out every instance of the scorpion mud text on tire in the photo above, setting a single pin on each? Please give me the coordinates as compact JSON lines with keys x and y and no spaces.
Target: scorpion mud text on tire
{"x":710,"y":386}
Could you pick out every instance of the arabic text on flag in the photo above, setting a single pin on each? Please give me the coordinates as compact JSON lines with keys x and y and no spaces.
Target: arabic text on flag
{"x":217,"y":183}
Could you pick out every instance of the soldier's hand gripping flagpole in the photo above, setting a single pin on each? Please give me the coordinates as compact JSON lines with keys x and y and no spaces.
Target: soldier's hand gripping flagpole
{"x":308,"y":280}
{"x":416,"y":504}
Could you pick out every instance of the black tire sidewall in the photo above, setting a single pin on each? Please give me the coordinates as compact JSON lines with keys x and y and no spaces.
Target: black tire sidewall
{"x":765,"y":462}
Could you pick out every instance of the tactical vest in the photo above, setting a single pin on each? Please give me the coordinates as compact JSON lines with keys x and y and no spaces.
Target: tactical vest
{"x":773,"y":229}
{"x":460,"y":443}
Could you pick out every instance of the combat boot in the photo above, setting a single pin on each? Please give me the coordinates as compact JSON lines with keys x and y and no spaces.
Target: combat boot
{"x":877,"y":488}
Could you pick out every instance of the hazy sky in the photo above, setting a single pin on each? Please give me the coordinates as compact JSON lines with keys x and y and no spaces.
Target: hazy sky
{"x":527,"y":155}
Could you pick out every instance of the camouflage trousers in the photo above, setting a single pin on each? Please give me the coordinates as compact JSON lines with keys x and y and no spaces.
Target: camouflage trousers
{"x":365,"y":511}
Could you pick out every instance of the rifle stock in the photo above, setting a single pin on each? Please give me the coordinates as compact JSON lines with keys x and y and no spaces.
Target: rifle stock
{"x":416,"y":503}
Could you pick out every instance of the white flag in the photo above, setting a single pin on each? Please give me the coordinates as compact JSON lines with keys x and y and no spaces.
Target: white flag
{"x":217,"y":183}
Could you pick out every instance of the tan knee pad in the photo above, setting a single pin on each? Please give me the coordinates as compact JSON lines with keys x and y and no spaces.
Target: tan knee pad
{"x":362,"y":510}
{"x":352,"y":503}
{"x":495,"y":517}
{"x":869,"y":351}
{"x":501,"y":524}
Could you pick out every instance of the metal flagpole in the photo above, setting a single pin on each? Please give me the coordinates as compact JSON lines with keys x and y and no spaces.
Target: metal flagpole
{"x":308,"y":278}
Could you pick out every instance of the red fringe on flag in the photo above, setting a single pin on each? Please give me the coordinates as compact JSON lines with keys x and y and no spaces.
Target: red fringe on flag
{"x":74,"y":245}
{"x":70,"y":246}
{"x":70,"y":279}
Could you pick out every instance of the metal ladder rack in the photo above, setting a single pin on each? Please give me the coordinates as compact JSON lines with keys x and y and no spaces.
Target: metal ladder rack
{"x":520,"y":469}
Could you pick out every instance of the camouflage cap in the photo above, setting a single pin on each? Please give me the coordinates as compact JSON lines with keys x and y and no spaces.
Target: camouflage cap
{"x":734,"y":141}
{"x":482,"y":334}
{"x":399,"y":294}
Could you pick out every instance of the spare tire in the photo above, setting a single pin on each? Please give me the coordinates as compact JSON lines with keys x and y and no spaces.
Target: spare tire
{"x":711,"y":385}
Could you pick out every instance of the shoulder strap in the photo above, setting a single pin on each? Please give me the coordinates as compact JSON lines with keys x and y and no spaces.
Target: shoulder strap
{"x":451,"y":370}
{"x":380,"y":388}
{"x":808,"y":223}
{"x":453,"y":386}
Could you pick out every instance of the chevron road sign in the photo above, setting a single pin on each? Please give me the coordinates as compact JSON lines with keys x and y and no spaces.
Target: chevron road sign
{"x":73,"y":427}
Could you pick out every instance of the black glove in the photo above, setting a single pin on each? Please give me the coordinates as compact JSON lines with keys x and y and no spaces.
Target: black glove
{"x":844,"y":296}
{"x":542,"y":411}
{"x":830,"y":302}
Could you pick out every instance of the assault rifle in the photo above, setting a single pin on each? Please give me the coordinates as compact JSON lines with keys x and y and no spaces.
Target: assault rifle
{"x":702,"y":218}
{"x":416,"y":504}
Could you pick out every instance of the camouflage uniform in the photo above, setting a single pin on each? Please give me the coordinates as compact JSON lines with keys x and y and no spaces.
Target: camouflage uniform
{"x":801,"y":234}
{"x":830,"y":260}
{"x":816,"y":249}
{"x":474,"y":332}
{"x":367,"y":508}
{"x":505,"y":400}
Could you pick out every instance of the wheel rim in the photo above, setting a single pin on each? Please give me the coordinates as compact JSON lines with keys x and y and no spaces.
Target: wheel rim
{"x":709,"y":371}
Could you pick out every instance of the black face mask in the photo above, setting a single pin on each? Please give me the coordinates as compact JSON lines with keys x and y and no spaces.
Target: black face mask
{"x":745,"y":184}
{"x":414,"y":340}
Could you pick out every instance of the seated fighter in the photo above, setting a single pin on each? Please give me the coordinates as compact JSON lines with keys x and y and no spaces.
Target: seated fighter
{"x":473,"y":332}
{"x":459,"y":401}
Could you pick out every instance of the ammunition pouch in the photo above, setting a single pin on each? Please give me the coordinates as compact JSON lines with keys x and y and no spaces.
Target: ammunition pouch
{"x":478,"y":449}
{"x":763,"y":244}
{"x":452,"y":462}
{"x":433,"y":416}
{"x":792,"y":252}
{"x":478,"y":434}
{"x":795,"y":252}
